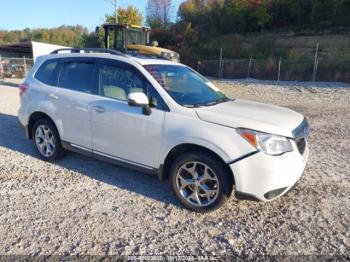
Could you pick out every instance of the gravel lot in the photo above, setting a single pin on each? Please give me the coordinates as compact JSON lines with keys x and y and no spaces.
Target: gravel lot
{"x":81,"y":206}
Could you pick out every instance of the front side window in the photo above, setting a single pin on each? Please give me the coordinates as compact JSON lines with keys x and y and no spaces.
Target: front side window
{"x":185,"y":86}
{"x":77,"y":76}
{"x":117,"y":82}
{"x":155,"y":100}
{"x":47,"y":73}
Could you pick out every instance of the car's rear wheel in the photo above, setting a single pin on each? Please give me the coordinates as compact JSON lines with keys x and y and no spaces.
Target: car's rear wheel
{"x":200,"y":181}
{"x":47,"y":142}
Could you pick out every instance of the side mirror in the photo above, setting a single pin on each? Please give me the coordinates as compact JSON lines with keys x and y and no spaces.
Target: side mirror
{"x":139,"y":99}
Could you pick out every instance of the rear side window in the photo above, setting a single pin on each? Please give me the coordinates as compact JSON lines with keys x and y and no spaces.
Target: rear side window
{"x":77,"y":76}
{"x":47,"y":72}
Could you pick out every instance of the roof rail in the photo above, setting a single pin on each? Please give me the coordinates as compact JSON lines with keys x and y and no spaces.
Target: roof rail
{"x":89,"y":50}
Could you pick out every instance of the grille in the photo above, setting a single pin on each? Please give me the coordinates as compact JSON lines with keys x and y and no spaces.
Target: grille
{"x":301,"y":144}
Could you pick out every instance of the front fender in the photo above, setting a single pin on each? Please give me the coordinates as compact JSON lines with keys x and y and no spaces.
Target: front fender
{"x":223,"y":141}
{"x":194,"y":141}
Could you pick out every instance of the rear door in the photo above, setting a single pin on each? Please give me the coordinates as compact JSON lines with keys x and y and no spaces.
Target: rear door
{"x":74,"y":95}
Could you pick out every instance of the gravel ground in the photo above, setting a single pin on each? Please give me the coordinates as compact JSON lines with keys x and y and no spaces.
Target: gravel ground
{"x":80,"y":206}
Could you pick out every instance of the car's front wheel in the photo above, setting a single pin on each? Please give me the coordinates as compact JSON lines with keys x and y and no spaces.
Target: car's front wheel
{"x":46,"y":140}
{"x":200,"y":181}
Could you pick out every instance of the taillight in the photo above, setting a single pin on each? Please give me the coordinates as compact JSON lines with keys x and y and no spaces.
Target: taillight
{"x":22,"y":88}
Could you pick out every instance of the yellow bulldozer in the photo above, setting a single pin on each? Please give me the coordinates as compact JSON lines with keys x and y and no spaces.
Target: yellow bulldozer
{"x":134,"y":40}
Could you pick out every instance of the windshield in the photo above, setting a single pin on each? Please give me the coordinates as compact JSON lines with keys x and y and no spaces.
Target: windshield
{"x":185,"y":86}
{"x":136,"y":37}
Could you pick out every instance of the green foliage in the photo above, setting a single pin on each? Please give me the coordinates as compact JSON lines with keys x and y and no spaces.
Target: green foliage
{"x":63,"y":35}
{"x":129,"y":15}
{"x":242,"y":16}
{"x":293,"y":54}
{"x":205,"y":26}
{"x":262,"y":16}
{"x":212,"y":19}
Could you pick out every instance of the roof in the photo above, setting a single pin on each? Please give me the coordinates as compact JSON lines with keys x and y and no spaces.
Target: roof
{"x":126,"y":26}
{"x":23,"y":49}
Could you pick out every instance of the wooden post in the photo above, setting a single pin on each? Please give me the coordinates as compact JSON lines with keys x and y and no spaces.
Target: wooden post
{"x":315,"y":64}
{"x":222,"y":68}
{"x":25,"y":66}
{"x":279,"y":69}
{"x":249,"y":66}
{"x":1,"y":69}
{"x":220,"y":63}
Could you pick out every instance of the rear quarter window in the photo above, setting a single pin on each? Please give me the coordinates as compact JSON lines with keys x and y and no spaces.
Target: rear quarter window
{"x":47,"y":72}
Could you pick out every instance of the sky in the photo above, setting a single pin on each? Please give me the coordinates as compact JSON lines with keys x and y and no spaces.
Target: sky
{"x":17,"y":15}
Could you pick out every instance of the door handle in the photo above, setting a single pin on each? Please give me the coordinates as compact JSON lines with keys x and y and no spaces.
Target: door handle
{"x":99,"y":109}
{"x":53,"y":96}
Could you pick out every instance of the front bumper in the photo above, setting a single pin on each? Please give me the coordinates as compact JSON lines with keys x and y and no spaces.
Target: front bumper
{"x":264,"y":178}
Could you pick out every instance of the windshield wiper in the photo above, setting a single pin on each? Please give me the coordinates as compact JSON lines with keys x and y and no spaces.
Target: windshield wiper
{"x":211,"y":103}
{"x":193,"y":106}
{"x":218,"y":101}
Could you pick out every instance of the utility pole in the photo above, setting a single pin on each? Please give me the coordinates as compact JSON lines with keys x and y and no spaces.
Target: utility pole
{"x":114,"y":4}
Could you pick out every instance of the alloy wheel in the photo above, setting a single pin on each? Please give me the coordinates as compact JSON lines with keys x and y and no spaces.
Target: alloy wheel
{"x":45,"y":141}
{"x":197,"y":184}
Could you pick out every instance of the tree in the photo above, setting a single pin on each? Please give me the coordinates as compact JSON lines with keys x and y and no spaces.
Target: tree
{"x":159,"y":13}
{"x":91,"y":40}
{"x":130,"y":15}
{"x":262,"y":16}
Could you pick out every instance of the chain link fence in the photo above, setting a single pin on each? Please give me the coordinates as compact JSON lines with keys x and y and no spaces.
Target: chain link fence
{"x":14,"y":67}
{"x":328,"y":70}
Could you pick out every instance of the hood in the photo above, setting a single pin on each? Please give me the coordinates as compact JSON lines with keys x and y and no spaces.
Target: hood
{"x":252,"y":115}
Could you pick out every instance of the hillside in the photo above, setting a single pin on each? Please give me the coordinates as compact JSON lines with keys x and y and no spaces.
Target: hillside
{"x":285,"y":44}
{"x":258,"y":56}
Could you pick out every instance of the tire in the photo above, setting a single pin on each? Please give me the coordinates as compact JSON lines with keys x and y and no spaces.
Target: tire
{"x":45,"y":135}
{"x":211,"y":183}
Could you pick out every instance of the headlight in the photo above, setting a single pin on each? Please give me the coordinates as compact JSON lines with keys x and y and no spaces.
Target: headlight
{"x":267,"y":143}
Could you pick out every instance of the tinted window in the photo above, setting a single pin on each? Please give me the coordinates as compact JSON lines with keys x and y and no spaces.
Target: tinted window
{"x":185,"y":86}
{"x":77,"y":76}
{"x":155,"y":100}
{"x":47,"y":73}
{"x":117,"y":82}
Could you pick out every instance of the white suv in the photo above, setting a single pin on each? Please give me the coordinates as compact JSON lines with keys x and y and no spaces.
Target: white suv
{"x":162,"y":118}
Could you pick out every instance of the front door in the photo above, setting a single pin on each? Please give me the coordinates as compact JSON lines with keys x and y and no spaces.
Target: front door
{"x":121,"y":131}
